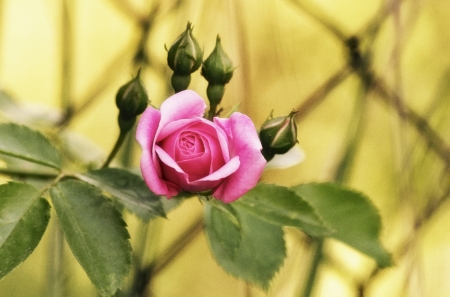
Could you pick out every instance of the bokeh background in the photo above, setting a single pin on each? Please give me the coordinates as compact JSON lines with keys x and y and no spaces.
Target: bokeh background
{"x":66,"y":59}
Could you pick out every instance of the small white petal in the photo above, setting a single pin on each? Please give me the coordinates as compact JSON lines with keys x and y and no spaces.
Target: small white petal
{"x":293,"y":157}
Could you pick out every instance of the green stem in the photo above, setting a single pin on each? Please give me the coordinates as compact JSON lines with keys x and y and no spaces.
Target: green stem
{"x":341,"y":174}
{"x":66,"y":57}
{"x":212,"y":112}
{"x":318,"y":252}
{"x":119,"y":142}
{"x":23,"y":174}
{"x":55,"y":274}
{"x":126,"y":155}
{"x":141,"y":274}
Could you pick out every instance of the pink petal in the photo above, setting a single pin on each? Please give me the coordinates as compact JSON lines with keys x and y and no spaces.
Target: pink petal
{"x":245,"y":143}
{"x":172,"y":127}
{"x":147,"y":127}
{"x":145,"y":135}
{"x":183,"y":105}
{"x":151,"y":176}
{"x":213,"y":180}
{"x":226,"y":170}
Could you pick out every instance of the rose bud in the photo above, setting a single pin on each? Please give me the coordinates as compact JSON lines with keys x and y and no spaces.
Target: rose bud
{"x":278,"y":135}
{"x":132,"y":98}
{"x":217,"y":70}
{"x":183,"y":151}
{"x":184,"y":57}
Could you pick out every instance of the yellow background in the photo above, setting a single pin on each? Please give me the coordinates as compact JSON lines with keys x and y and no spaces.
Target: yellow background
{"x":285,"y":50}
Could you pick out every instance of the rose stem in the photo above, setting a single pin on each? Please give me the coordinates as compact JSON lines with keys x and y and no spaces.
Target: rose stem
{"x":212,"y":112}
{"x":119,"y":142}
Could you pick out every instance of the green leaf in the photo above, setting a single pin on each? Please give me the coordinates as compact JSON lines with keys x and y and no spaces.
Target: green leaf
{"x":129,"y":190}
{"x":95,"y":232}
{"x":23,"y":143}
{"x":222,"y":226}
{"x":260,"y":252}
{"x":23,"y":219}
{"x":351,"y":214}
{"x":282,"y":206}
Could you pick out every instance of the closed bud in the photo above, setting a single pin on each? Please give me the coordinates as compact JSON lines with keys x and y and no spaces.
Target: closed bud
{"x":126,"y":124}
{"x":185,"y":55}
{"x":218,"y":68}
{"x":180,"y":82}
{"x":132,"y":98}
{"x":215,"y":93}
{"x":278,"y":135}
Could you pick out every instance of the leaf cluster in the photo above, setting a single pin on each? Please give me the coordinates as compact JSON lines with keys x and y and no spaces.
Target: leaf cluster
{"x":246,"y":237}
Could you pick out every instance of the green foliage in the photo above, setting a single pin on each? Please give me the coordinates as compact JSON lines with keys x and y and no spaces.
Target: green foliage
{"x":23,"y":143}
{"x":257,"y":256}
{"x":222,"y":226}
{"x":95,"y":232}
{"x":23,"y":219}
{"x":351,"y":214}
{"x":283,"y":207}
{"x":129,"y":190}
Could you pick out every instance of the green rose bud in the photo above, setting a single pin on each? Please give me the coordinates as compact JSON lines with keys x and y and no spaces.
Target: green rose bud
{"x":185,"y":55}
{"x":278,"y":135}
{"x":218,"y":68}
{"x":215,"y":93}
{"x":180,"y":82}
{"x":132,"y":98}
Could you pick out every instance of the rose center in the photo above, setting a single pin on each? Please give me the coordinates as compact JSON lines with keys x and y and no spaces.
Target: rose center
{"x":190,"y":145}
{"x":187,"y":143}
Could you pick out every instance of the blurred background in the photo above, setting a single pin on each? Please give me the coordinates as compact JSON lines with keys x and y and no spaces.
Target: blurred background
{"x":371,"y":81}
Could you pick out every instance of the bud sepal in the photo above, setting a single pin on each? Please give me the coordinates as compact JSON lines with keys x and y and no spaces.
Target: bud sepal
{"x":185,"y":55}
{"x":218,"y":68}
{"x":278,"y":135}
{"x":132,"y":98}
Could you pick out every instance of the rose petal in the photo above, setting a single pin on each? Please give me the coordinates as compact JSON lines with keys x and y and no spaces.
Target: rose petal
{"x":172,"y":127}
{"x":151,"y":176}
{"x":183,"y":105}
{"x":214,"y":142}
{"x":213,"y":180}
{"x":245,"y":143}
{"x":223,"y":172}
{"x":147,"y":127}
{"x":197,"y":166}
{"x":145,"y":135}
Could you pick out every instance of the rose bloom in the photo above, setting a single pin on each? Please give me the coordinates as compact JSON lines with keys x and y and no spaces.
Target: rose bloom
{"x":182,"y":151}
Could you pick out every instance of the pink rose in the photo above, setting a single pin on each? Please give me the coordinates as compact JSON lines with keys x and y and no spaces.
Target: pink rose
{"x":182,"y":151}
